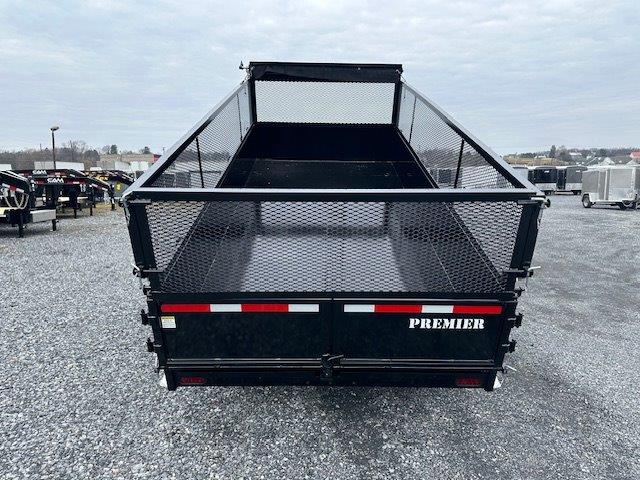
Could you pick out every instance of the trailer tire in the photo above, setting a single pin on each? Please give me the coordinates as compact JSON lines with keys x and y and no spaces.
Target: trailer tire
{"x":586,"y":201}
{"x":622,"y":206}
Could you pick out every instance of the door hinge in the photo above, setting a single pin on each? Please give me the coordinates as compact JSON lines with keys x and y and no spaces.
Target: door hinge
{"x":509,"y":347}
{"x":516,"y":321}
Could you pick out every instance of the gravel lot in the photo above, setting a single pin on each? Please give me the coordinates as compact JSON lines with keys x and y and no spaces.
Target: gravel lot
{"x":79,"y":399}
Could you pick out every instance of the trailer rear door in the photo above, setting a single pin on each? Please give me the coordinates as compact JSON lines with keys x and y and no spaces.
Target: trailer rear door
{"x":257,"y":329}
{"x":417,"y":330}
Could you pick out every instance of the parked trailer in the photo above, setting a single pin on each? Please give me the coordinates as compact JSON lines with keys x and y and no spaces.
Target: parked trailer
{"x":18,"y":205}
{"x":544,"y":177}
{"x":570,"y":179}
{"x":611,"y":185}
{"x":297,"y":235}
{"x":66,"y":188}
{"x":118,"y":180}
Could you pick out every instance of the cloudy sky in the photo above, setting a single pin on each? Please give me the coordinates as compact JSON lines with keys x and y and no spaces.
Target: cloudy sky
{"x":520,"y":75}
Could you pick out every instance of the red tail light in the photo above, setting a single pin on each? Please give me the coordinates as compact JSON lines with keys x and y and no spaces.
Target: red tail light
{"x":192,"y":380}
{"x":468,"y":382}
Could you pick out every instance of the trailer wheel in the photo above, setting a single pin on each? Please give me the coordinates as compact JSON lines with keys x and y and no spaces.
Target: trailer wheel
{"x":586,"y":201}
{"x":622,"y":206}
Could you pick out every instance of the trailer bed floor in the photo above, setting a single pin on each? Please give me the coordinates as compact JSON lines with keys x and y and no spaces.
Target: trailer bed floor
{"x":363,"y":260}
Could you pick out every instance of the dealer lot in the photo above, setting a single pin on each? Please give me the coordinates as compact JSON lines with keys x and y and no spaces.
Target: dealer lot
{"x":78,"y":397}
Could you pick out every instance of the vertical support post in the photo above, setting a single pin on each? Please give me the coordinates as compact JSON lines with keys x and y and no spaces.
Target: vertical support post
{"x":455,"y":183}
{"x":239,"y":114}
{"x":141,"y":240}
{"x":200,"y":162}
{"x":413,"y":116}
{"x":251,"y":89}
{"x":397,"y":98}
{"x":526,"y":235}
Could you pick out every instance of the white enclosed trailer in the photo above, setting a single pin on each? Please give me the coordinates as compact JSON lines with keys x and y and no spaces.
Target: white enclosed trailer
{"x":611,"y":185}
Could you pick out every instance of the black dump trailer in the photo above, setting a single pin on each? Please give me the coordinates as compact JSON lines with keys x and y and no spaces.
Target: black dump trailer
{"x":118,"y":180}
{"x":544,"y":177}
{"x":66,"y":188}
{"x":297,"y":235}
{"x":570,"y":179}
{"x":19,"y":205}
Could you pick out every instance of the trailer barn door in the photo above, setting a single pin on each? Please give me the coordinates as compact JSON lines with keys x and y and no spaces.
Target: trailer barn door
{"x":297,"y":329}
{"x":417,"y":330}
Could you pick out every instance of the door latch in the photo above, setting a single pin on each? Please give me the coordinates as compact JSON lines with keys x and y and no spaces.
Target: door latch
{"x":328,"y":362}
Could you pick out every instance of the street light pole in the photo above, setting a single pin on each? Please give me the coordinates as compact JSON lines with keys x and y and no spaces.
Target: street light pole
{"x":53,"y":144}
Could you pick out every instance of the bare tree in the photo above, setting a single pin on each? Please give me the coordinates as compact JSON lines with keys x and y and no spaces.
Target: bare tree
{"x":76,"y":149}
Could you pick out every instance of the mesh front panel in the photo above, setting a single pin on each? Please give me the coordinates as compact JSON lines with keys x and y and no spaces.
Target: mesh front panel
{"x":213,"y":147}
{"x":441,"y":149}
{"x":333,"y":247}
{"x":324,"y":102}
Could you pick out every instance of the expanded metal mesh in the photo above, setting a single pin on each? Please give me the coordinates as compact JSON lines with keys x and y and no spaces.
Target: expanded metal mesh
{"x":450,"y":160}
{"x":421,"y":247}
{"x":213,"y":147}
{"x":324,"y":102}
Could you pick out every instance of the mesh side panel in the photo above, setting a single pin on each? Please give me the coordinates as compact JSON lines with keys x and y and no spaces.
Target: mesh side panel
{"x":421,"y":247}
{"x":324,"y":102}
{"x":440,"y":148}
{"x":216,"y":145}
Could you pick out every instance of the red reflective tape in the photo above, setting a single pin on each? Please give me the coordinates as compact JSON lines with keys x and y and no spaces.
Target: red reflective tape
{"x":478,"y":309}
{"x":185,"y":307}
{"x":265,"y":307}
{"x":397,"y":308}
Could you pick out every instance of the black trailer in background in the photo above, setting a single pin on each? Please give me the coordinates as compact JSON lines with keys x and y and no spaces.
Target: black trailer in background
{"x":65,"y":188}
{"x":19,"y":204}
{"x":544,"y":177}
{"x":118,"y":180}
{"x":570,"y":179}
{"x":326,"y":224}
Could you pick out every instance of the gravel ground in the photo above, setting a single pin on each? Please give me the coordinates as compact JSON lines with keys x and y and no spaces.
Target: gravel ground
{"x":79,"y":399}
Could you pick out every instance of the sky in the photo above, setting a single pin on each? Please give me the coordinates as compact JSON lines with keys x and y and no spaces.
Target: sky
{"x":520,"y":75}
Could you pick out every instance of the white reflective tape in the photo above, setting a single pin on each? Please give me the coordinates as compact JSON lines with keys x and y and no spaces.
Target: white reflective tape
{"x":225,"y":307}
{"x":168,"y":321}
{"x":437,"y":308}
{"x":304,"y":307}
{"x":359,"y":308}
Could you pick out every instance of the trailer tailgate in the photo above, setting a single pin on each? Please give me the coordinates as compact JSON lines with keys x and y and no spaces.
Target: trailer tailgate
{"x":417,"y":330}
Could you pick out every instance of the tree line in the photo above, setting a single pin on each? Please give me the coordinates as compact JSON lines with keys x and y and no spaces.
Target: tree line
{"x":70,"y":151}
{"x":563,"y":153}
